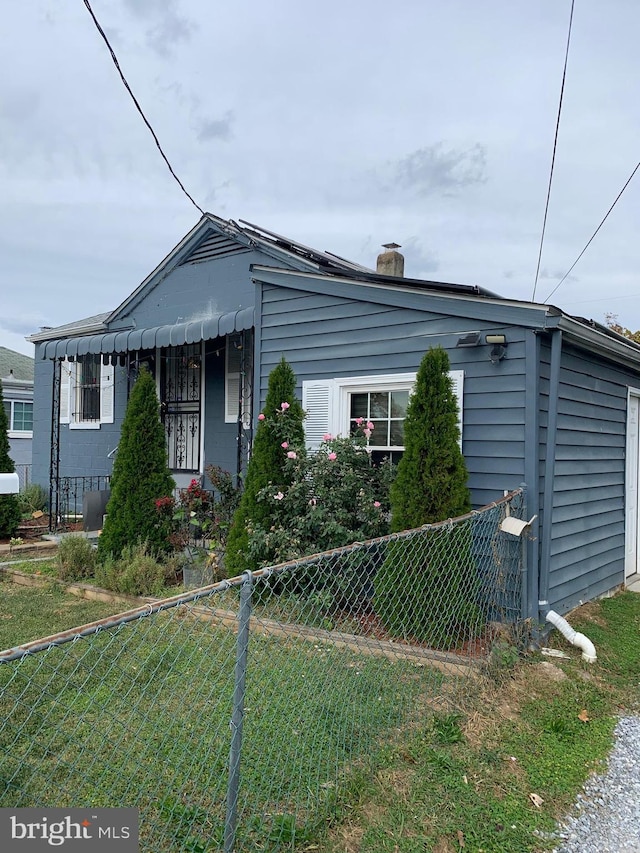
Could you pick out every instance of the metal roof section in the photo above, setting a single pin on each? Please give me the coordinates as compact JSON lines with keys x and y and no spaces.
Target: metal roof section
{"x":394,"y":283}
{"x":322,"y":259}
{"x":178,"y":334}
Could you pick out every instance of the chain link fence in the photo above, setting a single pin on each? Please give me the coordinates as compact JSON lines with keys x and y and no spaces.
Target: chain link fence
{"x":239,"y":717}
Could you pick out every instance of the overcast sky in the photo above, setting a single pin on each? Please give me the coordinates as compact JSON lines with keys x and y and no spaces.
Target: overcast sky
{"x":343,"y":124}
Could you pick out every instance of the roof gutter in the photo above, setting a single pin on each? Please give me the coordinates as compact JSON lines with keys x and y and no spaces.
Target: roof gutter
{"x":601,"y":340}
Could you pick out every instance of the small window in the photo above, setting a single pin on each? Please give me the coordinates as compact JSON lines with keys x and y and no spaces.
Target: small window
{"x":386,"y":411}
{"x":336,"y":405}
{"x":19,"y":416}
{"x":88,"y":389}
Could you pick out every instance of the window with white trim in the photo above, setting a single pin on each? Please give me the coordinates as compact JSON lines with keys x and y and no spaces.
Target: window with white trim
{"x":87,"y":391}
{"x":335,"y":406}
{"x":19,"y":418}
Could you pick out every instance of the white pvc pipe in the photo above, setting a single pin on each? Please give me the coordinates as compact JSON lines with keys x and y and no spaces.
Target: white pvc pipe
{"x":574,"y":637}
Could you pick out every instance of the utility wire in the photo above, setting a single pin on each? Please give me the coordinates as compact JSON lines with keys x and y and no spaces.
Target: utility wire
{"x":138,"y":107}
{"x":553,"y":158}
{"x":604,"y":218}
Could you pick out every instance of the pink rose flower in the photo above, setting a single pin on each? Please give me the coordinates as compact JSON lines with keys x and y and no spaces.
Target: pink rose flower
{"x":377,"y":504}
{"x":359,"y":421}
{"x":285,"y":444}
{"x":370,"y":425}
{"x":327,"y":436}
{"x":366,"y":433}
{"x":332,"y":456}
{"x":284,"y":406}
{"x":278,"y":497}
{"x":292,"y":455}
{"x":260,"y":417}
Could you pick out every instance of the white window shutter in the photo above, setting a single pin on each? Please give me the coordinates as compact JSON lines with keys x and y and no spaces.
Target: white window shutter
{"x":107,"y":389}
{"x":231,"y":383}
{"x":67,"y":372}
{"x":457,"y":380}
{"x":318,"y":404}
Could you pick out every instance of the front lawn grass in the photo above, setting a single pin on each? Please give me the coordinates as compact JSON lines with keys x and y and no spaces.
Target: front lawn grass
{"x":139,"y":715}
{"x":521,"y":757}
{"x":342,"y":752}
{"x":29,"y":613}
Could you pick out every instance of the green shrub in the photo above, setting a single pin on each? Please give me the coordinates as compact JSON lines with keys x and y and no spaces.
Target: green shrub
{"x":76,"y":559}
{"x":140,"y":477}
{"x":281,"y":421}
{"x":334,"y":497}
{"x":426,"y":589}
{"x":32,"y":499}
{"x":135,"y":572}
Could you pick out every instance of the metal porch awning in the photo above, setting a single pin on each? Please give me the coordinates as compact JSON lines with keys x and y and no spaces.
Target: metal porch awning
{"x":178,"y":334}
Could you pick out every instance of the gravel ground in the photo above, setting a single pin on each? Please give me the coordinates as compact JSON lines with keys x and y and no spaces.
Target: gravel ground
{"x":606,"y":815}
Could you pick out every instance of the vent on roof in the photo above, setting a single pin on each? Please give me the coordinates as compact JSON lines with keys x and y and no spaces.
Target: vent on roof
{"x":215,"y":246}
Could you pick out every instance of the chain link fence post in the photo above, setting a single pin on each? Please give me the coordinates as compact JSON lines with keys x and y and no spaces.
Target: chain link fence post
{"x":242,"y":645}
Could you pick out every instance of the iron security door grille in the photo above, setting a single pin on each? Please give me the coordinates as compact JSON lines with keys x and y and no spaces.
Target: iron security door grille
{"x":180,"y":396}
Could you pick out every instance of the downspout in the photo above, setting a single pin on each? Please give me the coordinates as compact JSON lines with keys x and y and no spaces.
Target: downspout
{"x":574,"y":637}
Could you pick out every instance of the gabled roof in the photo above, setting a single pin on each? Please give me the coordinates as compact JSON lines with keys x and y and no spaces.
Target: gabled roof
{"x":216,"y":237}
{"x":12,"y":362}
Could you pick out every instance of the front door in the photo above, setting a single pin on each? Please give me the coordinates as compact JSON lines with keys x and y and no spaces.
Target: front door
{"x":180,"y":404}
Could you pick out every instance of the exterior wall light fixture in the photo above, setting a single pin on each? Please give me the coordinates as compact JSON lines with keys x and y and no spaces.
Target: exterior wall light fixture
{"x":498,"y":347}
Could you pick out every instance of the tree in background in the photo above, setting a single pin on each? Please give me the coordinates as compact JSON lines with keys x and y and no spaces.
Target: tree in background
{"x":140,"y":477}
{"x":279,"y":424}
{"x":9,"y":506}
{"x":426,"y":588}
{"x":612,"y":323}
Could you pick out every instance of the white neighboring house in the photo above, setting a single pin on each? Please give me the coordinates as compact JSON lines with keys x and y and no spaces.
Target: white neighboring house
{"x":16,"y":373}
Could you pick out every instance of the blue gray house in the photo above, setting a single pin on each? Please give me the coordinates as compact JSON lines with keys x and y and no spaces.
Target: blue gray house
{"x":546,"y":399}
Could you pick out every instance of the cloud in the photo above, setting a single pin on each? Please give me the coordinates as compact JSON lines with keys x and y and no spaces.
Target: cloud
{"x":435,"y":170}
{"x":555,"y":275}
{"x":21,"y":324}
{"x":420,"y":261}
{"x":216,"y":128}
{"x":169,"y":27}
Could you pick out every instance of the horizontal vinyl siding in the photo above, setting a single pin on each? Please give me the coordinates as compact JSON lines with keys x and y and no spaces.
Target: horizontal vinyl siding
{"x":587,"y":546}
{"x":325,"y":336}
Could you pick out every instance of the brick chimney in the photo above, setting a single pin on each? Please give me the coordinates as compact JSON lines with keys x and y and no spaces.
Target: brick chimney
{"x":390,"y":262}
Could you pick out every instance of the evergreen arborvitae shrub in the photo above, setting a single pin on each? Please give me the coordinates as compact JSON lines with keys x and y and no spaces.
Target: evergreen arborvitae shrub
{"x":426,"y":589}
{"x":431,"y":482}
{"x":140,"y":477}
{"x":280,"y":421}
{"x":10,"y":513}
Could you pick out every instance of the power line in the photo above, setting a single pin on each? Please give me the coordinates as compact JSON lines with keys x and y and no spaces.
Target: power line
{"x":138,"y":107}
{"x":553,"y":157}
{"x":604,"y":219}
